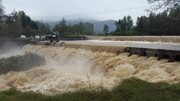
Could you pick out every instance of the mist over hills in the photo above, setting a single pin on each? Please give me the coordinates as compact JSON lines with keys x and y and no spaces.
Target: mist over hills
{"x":98,"y":25}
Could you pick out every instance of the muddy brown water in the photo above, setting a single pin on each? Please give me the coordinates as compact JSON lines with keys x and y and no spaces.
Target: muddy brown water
{"x":70,"y":69}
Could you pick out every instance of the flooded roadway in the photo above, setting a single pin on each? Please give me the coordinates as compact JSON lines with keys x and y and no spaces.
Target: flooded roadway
{"x":70,"y":69}
{"x":136,"y":44}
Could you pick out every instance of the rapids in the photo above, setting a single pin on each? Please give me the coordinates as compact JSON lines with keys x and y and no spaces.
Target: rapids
{"x":69,"y":69}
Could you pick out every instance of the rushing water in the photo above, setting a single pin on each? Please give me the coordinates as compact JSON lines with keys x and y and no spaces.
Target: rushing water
{"x":139,"y":44}
{"x":69,"y":69}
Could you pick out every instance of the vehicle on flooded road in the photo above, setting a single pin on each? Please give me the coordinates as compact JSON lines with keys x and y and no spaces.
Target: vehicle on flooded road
{"x":52,"y":37}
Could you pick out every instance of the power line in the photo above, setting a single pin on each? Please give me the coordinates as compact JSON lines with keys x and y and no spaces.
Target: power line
{"x":106,"y":12}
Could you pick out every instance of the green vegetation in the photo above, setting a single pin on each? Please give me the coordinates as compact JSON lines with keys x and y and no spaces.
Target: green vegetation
{"x":129,"y":90}
{"x":160,"y":24}
{"x":164,"y":23}
{"x":18,"y":23}
{"x":165,"y":4}
{"x":1,"y":9}
{"x":106,"y":29}
{"x":20,"y":63}
{"x":74,"y":30}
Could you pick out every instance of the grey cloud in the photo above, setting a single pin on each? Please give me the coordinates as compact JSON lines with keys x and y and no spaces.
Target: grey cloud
{"x":55,"y":9}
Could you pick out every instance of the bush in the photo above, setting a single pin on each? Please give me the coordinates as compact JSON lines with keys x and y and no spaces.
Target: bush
{"x":20,"y":63}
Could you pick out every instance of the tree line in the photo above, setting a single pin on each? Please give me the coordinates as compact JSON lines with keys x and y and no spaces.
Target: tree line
{"x":160,"y":24}
{"x":76,"y":29}
{"x":163,"y":23}
{"x":18,"y":23}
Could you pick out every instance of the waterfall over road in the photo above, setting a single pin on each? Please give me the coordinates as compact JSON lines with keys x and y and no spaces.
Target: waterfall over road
{"x":70,"y":69}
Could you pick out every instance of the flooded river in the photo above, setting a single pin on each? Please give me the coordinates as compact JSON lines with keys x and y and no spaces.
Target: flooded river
{"x":69,"y":69}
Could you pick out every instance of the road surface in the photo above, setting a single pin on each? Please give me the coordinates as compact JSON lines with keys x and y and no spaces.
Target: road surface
{"x":137,"y":44}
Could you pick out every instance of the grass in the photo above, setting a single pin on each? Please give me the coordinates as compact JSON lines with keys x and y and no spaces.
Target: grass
{"x":129,"y":90}
{"x":20,"y":63}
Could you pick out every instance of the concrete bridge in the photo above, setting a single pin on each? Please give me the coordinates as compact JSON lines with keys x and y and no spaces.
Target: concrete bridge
{"x":150,"y":49}
{"x":160,"y":53}
{"x":169,"y":51}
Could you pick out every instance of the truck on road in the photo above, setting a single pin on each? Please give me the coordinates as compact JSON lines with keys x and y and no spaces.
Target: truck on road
{"x":51,"y":37}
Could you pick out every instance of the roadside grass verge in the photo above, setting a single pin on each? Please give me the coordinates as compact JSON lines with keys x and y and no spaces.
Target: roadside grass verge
{"x":131,"y":89}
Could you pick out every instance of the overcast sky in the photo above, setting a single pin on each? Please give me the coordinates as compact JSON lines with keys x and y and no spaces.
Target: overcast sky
{"x":78,"y":9}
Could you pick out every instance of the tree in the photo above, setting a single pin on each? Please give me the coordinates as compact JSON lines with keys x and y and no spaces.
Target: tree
{"x":79,"y":28}
{"x":125,"y":24}
{"x":18,"y":23}
{"x":1,"y":9}
{"x":10,"y":27}
{"x":61,"y":27}
{"x":1,"y":17}
{"x":106,"y":29}
{"x":88,"y":28}
{"x":118,"y":25}
{"x":23,"y":18}
{"x":30,"y":27}
{"x":141,"y":24}
{"x":43,"y":28}
{"x":164,"y":23}
{"x":167,"y":4}
{"x":129,"y":23}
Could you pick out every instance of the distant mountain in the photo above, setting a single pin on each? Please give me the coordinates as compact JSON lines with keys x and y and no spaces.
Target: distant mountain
{"x":98,"y":25}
